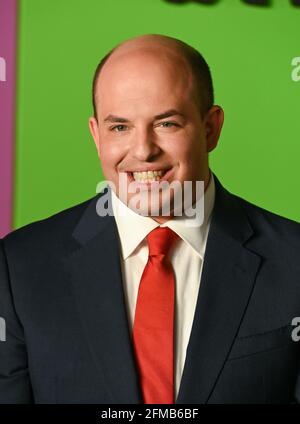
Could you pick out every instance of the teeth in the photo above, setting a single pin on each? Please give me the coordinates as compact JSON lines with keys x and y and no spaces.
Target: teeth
{"x":148,"y":177}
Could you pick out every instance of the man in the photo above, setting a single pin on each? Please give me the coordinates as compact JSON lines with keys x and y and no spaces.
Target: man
{"x":138,"y":307}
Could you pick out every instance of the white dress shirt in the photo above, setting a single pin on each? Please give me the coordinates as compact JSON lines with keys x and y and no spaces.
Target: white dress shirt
{"x":187,"y":260}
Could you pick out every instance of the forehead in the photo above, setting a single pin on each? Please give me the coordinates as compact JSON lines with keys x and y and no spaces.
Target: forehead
{"x":143,"y":74}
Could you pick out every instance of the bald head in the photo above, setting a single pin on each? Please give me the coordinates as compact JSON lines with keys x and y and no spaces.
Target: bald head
{"x":154,"y":51}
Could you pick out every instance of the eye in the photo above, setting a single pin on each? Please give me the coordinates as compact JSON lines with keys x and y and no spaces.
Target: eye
{"x":168,"y":124}
{"x":118,"y":128}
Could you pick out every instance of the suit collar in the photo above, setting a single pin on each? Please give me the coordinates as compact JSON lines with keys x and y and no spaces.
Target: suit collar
{"x":229,"y":217}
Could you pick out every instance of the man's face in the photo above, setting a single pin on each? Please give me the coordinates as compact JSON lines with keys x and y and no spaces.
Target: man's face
{"x":148,"y":120}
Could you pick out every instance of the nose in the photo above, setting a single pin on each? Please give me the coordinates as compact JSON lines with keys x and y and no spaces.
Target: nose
{"x":144,"y":146}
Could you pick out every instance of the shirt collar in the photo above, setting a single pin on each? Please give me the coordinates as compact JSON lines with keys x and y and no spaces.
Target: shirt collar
{"x":133,"y":228}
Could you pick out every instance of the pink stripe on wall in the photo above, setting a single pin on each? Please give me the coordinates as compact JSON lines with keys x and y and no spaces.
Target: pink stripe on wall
{"x":8,"y":17}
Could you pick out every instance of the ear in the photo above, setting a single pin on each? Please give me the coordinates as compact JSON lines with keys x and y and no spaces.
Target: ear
{"x":93,"y":125}
{"x":213,"y":125}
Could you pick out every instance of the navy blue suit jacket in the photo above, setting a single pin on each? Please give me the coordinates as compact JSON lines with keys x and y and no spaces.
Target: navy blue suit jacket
{"x":67,"y":334}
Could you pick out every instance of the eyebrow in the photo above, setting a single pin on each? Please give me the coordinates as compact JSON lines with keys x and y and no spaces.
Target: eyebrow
{"x":166,"y":114}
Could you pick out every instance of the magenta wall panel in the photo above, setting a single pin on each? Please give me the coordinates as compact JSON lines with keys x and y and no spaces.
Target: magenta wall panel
{"x":8,"y":18}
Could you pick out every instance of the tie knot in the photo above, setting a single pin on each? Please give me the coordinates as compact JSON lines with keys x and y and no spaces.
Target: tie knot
{"x":160,"y":240}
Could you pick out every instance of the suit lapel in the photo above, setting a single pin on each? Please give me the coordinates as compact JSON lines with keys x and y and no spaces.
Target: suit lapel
{"x":228,"y":278}
{"x":95,"y":273}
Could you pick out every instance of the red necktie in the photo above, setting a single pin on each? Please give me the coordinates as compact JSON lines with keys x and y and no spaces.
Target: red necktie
{"x":153,"y":328}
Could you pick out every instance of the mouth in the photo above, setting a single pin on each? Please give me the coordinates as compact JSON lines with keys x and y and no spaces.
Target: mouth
{"x":146,"y":178}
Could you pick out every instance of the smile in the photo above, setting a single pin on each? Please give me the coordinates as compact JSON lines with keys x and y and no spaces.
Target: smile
{"x":147,"y":177}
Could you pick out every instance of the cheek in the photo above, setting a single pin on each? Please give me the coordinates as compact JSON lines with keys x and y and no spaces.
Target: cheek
{"x":191,"y":158}
{"x":111,"y":155}
{"x":188,"y":150}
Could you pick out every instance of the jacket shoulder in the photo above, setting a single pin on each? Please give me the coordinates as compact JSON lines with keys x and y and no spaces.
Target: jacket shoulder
{"x":271,"y":224}
{"x":54,"y":228}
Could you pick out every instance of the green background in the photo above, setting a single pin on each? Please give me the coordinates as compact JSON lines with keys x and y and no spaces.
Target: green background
{"x":249,"y":50}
